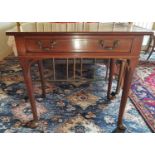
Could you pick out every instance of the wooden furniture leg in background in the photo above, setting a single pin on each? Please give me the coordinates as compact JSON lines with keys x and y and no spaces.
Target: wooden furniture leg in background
{"x":41,"y":72}
{"x":151,"y":46}
{"x":107,"y":69}
{"x":111,"y":74}
{"x":126,"y":87}
{"x":149,"y":55}
{"x":28,"y":82}
{"x":120,"y":76}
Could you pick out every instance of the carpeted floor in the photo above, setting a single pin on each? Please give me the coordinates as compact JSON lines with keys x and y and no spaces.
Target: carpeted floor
{"x":143,"y":91}
{"x":68,"y":106}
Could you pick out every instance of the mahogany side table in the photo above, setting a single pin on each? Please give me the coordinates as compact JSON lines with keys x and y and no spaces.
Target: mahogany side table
{"x":36,"y":46}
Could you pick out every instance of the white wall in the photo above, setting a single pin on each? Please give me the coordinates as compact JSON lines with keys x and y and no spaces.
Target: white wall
{"x":5,"y":50}
{"x":147,"y":25}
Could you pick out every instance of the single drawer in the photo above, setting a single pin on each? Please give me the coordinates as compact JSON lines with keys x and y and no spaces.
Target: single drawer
{"x":101,"y":44}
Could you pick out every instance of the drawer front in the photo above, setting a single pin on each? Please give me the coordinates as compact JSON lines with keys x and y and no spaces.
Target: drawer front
{"x":78,"y":45}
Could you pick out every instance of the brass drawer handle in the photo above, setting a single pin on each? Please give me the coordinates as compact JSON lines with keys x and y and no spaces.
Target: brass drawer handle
{"x":103,"y":46}
{"x":51,"y":45}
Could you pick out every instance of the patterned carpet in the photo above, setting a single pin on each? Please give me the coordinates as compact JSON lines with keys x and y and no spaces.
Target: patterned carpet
{"x":143,"y":91}
{"x":76,"y":107}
